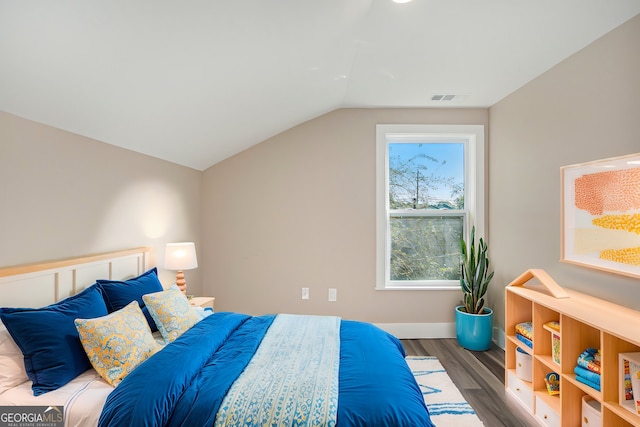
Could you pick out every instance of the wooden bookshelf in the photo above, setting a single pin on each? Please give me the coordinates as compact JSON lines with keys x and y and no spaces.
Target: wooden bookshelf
{"x":585,"y":321}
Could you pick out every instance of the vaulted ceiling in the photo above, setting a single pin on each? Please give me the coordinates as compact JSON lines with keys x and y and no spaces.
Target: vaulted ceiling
{"x":195,"y":82}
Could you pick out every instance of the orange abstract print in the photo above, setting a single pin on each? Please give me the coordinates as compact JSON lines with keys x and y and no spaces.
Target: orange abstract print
{"x":616,"y":191}
{"x":630,"y":223}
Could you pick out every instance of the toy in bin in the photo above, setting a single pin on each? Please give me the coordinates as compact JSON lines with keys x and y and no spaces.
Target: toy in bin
{"x":554,"y":328}
{"x":552,"y":380}
{"x":634,"y":369}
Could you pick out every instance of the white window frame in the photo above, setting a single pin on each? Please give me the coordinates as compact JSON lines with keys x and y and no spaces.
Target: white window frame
{"x":473,"y":136}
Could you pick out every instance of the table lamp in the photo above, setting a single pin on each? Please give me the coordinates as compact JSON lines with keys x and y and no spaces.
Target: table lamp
{"x":180,"y":256}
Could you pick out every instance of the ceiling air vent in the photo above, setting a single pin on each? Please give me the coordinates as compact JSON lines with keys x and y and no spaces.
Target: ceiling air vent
{"x":449,"y":97}
{"x":443,"y":97}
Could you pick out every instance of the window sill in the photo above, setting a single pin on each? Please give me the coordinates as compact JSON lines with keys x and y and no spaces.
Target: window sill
{"x":419,"y":288}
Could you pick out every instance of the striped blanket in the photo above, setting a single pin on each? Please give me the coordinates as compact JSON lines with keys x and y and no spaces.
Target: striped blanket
{"x":306,"y":352}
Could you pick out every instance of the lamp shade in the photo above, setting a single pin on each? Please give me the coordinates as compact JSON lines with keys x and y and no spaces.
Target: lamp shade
{"x":180,"y":256}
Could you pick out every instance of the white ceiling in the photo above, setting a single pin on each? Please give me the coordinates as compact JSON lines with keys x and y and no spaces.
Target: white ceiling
{"x":195,"y":82}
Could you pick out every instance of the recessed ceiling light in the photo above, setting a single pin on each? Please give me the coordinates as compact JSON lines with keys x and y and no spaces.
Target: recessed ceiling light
{"x":401,"y":1}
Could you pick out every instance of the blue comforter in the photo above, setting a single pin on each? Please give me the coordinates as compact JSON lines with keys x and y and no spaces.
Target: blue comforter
{"x":185,"y":383}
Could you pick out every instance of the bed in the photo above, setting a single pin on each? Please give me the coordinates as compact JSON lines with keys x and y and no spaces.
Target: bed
{"x":108,"y":344}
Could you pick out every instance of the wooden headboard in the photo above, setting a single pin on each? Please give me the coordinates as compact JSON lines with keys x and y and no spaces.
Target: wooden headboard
{"x":37,"y":285}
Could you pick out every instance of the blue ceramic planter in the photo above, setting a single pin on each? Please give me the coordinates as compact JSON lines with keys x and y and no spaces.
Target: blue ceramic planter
{"x":474,"y":331}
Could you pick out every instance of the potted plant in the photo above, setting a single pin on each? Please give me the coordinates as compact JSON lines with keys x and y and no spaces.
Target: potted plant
{"x":474,"y":321}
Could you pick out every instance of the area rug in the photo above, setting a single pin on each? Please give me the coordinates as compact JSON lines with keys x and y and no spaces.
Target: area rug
{"x":446,"y":405}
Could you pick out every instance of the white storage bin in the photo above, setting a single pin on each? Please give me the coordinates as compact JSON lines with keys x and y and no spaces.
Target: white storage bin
{"x":547,"y":416}
{"x":524,"y":370}
{"x":591,"y":415}
{"x":521,"y":390}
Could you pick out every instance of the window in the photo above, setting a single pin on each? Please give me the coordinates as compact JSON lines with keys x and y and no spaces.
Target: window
{"x":430,"y":190}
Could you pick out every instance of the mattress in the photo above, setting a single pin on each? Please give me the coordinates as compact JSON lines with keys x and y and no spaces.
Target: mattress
{"x":82,"y":398}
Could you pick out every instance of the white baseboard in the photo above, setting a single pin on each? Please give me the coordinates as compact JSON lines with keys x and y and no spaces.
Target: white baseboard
{"x":499,"y":337}
{"x":419,"y":330}
{"x":433,"y":330}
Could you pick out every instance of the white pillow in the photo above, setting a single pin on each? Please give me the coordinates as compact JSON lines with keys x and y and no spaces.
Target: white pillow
{"x":12,"y":370}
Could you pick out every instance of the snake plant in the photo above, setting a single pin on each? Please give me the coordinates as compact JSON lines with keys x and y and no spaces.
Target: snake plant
{"x":475,"y":276}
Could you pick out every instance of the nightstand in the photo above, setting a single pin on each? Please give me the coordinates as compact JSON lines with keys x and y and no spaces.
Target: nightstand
{"x":204,"y":302}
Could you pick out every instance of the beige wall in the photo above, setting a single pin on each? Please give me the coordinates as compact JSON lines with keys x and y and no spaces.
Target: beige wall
{"x":586,"y":108}
{"x":65,"y":195}
{"x":298,"y":210}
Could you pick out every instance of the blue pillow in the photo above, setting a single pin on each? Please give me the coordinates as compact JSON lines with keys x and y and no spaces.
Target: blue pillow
{"x":48,"y":338}
{"x":118,"y":294}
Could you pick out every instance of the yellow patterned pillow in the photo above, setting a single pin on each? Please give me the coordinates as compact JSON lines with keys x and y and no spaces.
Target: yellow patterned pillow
{"x":171,"y":311}
{"x":118,"y":342}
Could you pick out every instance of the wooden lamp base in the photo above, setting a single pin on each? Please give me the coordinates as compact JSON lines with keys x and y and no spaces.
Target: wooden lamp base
{"x":182,"y":284}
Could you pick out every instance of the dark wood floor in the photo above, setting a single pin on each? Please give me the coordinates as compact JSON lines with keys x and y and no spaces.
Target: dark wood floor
{"x":479,"y":375}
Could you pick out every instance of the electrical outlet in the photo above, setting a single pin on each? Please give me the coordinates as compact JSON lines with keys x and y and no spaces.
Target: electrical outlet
{"x":333,"y":294}
{"x":305,"y":293}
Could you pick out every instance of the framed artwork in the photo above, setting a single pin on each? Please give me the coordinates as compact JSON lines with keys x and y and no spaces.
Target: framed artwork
{"x":601,"y":214}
